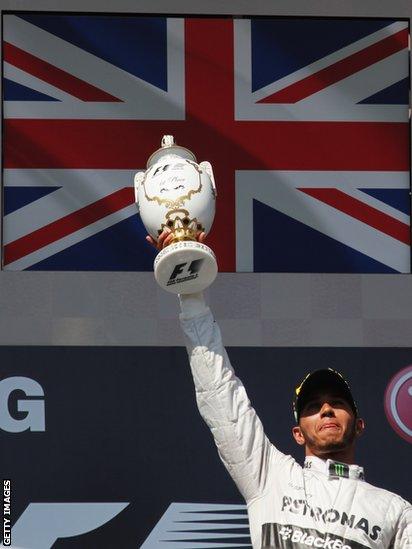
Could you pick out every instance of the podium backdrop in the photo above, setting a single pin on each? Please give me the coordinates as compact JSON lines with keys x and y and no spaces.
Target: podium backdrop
{"x":114,"y":453}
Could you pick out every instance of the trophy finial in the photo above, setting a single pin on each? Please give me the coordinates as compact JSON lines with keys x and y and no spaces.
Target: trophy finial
{"x":170,"y":148}
{"x":168,"y":141}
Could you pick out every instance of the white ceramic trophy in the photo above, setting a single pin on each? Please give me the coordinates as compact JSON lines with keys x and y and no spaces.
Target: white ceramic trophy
{"x":177,"y":193}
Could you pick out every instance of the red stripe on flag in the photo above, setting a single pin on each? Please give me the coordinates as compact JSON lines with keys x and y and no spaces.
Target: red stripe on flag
{"x":54,"y":76}
{"x":241,"y":145}
{"x":340,"y":70}
{"x":208,"y":130}
{"x":67,"y":225}
{"x":363,"y":212}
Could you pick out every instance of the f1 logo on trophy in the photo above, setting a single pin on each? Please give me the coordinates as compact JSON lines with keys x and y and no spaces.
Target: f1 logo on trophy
{"x":177,"y":193}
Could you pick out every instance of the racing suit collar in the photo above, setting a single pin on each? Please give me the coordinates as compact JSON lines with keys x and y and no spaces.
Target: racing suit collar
{"x":334,"y":469}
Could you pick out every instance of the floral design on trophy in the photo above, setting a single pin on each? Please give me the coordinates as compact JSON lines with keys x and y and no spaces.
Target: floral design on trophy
{"x":178,"y":193}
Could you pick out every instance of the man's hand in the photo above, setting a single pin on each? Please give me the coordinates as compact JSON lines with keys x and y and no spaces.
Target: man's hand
{"x":166,"y":238}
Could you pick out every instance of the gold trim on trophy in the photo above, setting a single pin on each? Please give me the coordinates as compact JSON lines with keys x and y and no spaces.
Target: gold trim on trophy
{"x":182,"y":227}
{"x":196,"y":166}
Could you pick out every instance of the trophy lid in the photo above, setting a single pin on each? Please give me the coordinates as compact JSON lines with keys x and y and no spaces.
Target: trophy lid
{"x":169,"y":147}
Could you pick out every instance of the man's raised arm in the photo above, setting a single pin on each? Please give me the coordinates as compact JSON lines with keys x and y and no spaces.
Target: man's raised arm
{"x":223,"y":403}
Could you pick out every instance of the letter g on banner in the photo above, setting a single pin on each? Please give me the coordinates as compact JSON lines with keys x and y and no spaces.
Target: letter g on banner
{"x":34,"y":418}
{"x":398,"y":403}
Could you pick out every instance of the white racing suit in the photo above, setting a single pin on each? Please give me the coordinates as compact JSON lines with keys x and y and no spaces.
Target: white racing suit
{"x":324,"y":504}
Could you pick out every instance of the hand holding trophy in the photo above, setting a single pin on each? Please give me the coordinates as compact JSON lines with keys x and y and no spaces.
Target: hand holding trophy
{"x":177,"y":194}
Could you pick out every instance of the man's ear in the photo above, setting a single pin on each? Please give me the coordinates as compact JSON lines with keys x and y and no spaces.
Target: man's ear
{"x":359,"y":427}
{"x":298,"y":435}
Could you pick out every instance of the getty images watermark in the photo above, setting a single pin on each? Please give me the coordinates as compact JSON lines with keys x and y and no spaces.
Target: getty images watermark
{"x":6,"y":512}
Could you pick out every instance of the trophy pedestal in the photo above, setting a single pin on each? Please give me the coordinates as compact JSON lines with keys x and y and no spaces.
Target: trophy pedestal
{"x":185,"y":267}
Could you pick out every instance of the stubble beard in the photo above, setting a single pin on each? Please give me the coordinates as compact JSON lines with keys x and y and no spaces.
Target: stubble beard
{"x":326,"y":446}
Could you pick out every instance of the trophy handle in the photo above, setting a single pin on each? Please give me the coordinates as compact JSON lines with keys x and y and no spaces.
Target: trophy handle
{"x":207,"y":166}
{"x":138,"y":179}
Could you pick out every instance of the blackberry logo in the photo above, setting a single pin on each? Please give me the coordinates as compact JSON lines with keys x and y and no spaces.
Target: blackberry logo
{"x":287,"y":536}
{"x":285,"y":532}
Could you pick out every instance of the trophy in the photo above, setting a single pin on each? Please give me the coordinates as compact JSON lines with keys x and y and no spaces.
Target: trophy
{"x":177,"y":193}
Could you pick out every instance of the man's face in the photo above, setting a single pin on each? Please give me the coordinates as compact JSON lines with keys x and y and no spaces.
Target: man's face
{"x":327,"y":424}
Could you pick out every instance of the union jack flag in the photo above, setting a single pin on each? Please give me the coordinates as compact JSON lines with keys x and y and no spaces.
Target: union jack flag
{"x":305,"y":121}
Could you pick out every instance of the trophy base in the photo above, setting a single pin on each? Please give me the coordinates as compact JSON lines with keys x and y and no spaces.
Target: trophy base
{"x":186,"y":267}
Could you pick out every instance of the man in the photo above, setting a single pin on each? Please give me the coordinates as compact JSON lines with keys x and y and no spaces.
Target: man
{"x":326,"y":503}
